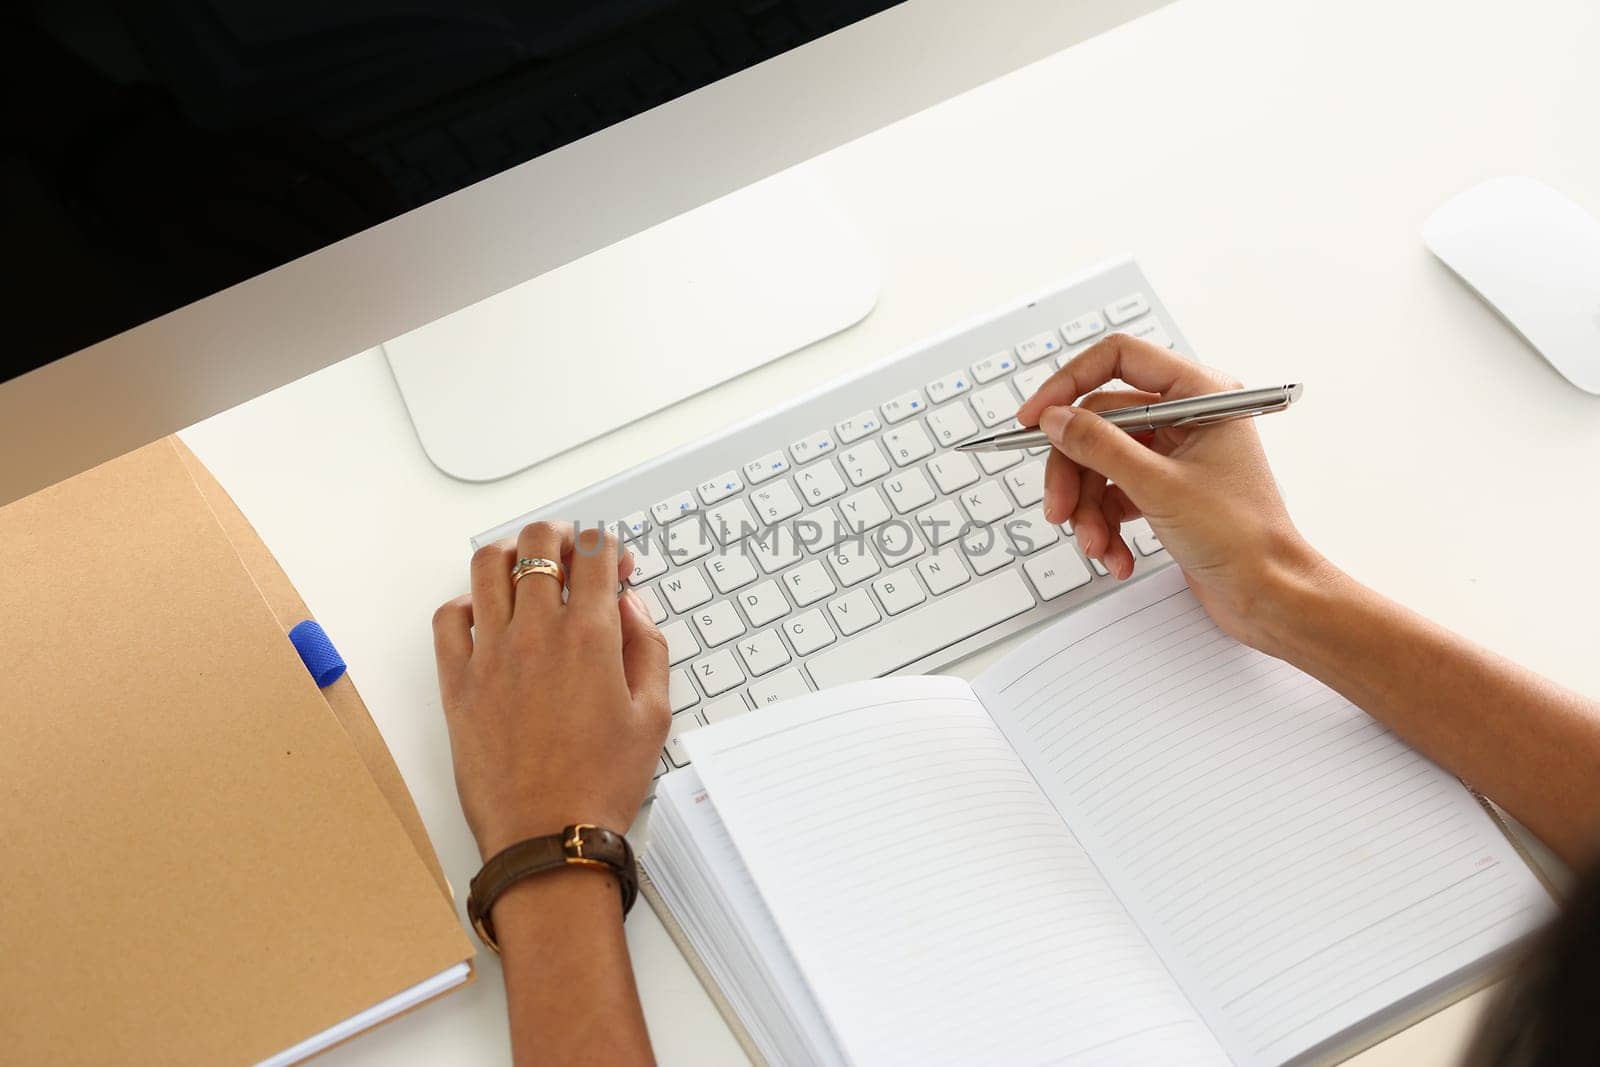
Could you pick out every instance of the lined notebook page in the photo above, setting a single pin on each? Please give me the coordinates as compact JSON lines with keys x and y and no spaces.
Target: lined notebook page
{"x":1298,"y":866}
{"x":928,"y":891}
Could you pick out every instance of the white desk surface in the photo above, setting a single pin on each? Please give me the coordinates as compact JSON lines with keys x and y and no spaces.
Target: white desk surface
{"x":1270,"y":162}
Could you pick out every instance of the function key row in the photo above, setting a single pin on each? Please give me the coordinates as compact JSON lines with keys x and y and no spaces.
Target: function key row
{"x":1027,"y":352}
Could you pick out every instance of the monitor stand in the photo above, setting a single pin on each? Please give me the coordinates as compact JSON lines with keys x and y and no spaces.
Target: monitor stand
{"x":632,"y":328}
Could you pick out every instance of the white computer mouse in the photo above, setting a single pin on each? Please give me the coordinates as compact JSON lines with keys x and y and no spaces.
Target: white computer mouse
{"x":1534,"y":256}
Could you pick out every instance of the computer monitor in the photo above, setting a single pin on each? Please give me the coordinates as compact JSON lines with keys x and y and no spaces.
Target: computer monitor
{"x":207,"y":199}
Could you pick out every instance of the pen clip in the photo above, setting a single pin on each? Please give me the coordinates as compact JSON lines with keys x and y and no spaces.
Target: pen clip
{"x":1213,"y":420}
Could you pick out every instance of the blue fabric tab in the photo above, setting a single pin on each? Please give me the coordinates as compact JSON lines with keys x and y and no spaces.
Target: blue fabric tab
{"x":317,"y":653}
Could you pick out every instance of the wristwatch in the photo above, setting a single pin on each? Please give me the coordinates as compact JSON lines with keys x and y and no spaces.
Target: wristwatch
{"x":582,"y":844}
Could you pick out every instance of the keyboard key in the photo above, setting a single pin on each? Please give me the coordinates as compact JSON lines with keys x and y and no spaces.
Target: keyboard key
{"x":864,"y":511}
{"x":1128,"y":308}
{"x":944,"y":622}
{"x":681,"y":692}
{"x":987,"y":549}
{"x":953,"y":471}
{"x":808,"y":632}
{"x":1038,"y":347}
{"x":853,"y":563}
{"x":763,"y":603}
{"x":908,"y":490}
{"x":943,"y":571}
{"x":681,"y":724}
{"x":1027,"y":484}
{"x":1099,"y":568}
{"x":941,"y":523}
{"x":995,"y":404}
{"x":719,"y":488}
{"x":856,"y":427}
{"x":763,"y":653}
{"x":864,"y":462}
{"x":898,"y":543}
{"x":661,"y":767}
{"x":776,"y":502}
{"x":819,"y":530}
{"x":1030,"y":532}
{"x":732,"y":522}
{"x":942,"y":389}
{"x":986,"y":503}
{"x":987,"y":370}
{"x":808,"y":583}
{"x":652,"y":603}
{"x":1082,"y":328}
{"x":724,"y":708}
{"x":899,"y":592}
{"x":776,"y":549}
{"x":1140,"y":536}
{"x":768,"y":466}
{"x":688,"y":541}
{"x":1028,"y":381}
{"x":951,"y":424}
{"x":649,"y":561}
{"x":819,"y":483}
{"x":730,"y":572}
{"x":718,"y":623}
{"x":680,"y":642}
{"x":908,"y":443}
{"x":673,"y":508}
{"x":1148,"y":329}
{"x":718,"y":672}
{"x":685,"y":590}
{"x":903,"y":407}
{"x":809,"y":448}
{"x":1057,"y":571}
{"x":781,"y":686}
{"x":995,"y":462}
{"x":634,"y":527}
{"x":853,"y":612}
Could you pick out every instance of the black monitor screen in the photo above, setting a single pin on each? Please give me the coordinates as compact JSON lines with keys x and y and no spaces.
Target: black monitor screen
{"x":162,"y":150}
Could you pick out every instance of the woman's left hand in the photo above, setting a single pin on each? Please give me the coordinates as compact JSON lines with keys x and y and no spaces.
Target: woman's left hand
{"x":556,"y":711}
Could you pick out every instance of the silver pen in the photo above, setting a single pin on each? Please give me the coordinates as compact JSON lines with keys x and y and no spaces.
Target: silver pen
{"x":1207,"y":410}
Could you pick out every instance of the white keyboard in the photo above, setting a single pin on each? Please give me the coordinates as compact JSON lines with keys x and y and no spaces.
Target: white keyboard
{"x":840,"y":538}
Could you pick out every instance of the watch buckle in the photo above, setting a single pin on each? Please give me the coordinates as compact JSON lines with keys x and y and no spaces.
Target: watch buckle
{"x":573,"y":845}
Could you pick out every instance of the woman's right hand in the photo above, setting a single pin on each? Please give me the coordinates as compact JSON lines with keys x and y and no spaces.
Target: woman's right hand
{"x":1207,"y":493}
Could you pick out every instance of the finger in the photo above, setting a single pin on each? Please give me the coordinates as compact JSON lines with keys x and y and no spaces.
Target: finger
{"x":644,"y":657}
{"x":538,"y":595}
{"x":1142,"y":365}
{"x":1088,"y":521}
{"x":625,"y":565}
{"x":1111,"y":399}
{"x":1092,"y":442}
{"x":452,"y":645}
{"x":592,"y":572}
{"x":1117,"y":557}
{"x":1061,"y":485}
{"x":491,"y":586}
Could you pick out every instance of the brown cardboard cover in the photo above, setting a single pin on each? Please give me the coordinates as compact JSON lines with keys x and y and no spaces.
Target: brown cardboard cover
{"x":289,"y":609}
{"x":201,"y":864}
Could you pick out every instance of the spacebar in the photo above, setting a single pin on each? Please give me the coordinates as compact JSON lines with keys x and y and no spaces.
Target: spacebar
{"x":947,"y":620}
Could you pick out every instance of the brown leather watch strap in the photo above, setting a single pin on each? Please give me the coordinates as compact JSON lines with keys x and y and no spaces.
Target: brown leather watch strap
{"x":582,"y":844}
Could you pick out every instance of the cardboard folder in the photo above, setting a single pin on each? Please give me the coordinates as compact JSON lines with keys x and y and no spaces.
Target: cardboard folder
{"x":206,"y":858}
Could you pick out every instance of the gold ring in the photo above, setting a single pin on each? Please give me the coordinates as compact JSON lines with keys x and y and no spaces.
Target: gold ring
{"x":538,"y":565}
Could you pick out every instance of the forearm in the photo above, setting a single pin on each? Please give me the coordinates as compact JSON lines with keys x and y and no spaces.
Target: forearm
{"x":569,"y":982}
{"x":1517,"y":737}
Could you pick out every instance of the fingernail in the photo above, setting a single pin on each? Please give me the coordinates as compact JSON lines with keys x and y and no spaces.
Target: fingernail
{"x":633,"y":600}
{"x":1054,"y":421}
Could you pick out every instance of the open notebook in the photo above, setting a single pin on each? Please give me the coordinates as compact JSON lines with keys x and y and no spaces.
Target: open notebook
{"x":1132,"y":841}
